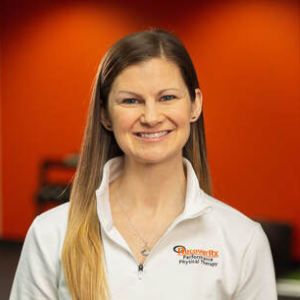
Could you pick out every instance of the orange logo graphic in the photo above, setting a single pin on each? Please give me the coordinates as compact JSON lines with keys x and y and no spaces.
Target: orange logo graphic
{"x":181,"y":250}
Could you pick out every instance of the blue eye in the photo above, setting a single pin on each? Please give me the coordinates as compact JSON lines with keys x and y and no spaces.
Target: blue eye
{"x":125,"y":100}
{"x":131,"y":100}
{"x":169,"y":96}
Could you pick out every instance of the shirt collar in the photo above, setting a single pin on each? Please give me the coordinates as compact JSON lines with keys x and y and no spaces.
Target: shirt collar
{"x":196,"y":203}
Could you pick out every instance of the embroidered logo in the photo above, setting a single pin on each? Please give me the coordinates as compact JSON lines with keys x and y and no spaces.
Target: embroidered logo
{"x":196,"y":256}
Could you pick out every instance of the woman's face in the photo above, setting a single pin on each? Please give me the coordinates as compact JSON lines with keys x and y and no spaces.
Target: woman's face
{"x":151,"y":97}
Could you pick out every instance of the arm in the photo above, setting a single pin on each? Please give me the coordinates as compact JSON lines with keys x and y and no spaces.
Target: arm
{"x":36,"y":274}
{"x":257,"y":276}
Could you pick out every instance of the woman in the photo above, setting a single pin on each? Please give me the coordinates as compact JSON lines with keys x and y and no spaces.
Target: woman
{"x":141,"y":223}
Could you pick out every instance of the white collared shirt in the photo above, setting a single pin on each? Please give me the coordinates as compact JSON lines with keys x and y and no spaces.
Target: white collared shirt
{"x":210,"y":252}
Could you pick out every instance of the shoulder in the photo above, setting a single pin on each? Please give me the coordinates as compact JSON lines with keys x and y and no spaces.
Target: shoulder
{"x":53,"y":219}
{"x":226,"y":211}
{"x":49,"y":228}
{"x":232,"y":223}
{"x":243,"y":244}
{"x":57,"y":215}
{"x":39,"y":268}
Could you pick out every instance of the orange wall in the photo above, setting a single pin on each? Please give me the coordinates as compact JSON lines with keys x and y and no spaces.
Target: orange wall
{"x":247,"y":59}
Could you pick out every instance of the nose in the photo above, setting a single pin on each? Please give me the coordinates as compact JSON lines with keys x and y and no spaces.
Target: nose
{"x":151,"y":114}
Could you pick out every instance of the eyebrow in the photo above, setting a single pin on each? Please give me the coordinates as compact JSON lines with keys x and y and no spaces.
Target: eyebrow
{"x":160,"y":92}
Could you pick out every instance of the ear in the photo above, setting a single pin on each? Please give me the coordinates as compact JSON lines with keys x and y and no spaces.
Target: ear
{"x":196,"y":108}
{"x":105,"y":120}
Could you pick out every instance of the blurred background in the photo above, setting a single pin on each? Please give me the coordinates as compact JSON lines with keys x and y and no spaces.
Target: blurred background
{"x":247,"y":57}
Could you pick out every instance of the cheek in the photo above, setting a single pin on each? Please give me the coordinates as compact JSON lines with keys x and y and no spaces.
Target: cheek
{"x":180,"y":111}
{"x":181,"y":119}
{"x":180,"y":115}
{"x":125,"y":120}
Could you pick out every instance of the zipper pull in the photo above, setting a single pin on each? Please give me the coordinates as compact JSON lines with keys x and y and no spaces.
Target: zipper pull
{"x":140,"y":271}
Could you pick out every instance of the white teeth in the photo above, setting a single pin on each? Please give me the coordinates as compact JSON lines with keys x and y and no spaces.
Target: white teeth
{"x":152,"y":134}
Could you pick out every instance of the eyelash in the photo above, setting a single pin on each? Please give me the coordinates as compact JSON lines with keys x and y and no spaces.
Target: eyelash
{"x":135,"y":99}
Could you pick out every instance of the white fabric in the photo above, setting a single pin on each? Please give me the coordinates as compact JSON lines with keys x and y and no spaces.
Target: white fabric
{"x":241,"y":266}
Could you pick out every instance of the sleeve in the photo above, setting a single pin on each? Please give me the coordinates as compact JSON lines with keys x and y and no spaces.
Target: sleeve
{"x":36,"y":274}
{"x":257,"y":276}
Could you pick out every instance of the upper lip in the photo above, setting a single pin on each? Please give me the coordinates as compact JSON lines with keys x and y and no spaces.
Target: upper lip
{"x":153,"y":131}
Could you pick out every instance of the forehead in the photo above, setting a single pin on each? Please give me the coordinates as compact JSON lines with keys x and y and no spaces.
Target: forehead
{"x":155,"y":74}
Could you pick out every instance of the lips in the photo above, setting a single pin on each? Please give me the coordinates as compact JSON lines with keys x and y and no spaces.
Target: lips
{"x":152,"y":137}
{"x":168,"y":131}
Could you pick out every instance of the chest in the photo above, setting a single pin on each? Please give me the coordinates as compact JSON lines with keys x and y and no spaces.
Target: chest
{"x":140,"y":236}
{"x":165,"y":274}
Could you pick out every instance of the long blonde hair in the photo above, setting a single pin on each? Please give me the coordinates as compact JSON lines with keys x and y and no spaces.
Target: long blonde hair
{"x":82,"y":255}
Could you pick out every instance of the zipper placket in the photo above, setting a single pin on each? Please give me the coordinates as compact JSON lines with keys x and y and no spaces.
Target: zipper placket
{"x":175,"y":223}
{"x":140,"y":271}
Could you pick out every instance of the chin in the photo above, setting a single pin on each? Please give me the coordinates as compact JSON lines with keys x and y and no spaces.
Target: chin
{"x":154,"y":157}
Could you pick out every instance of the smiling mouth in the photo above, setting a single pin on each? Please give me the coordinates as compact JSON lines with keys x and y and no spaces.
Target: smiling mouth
{"x":153,"y":135}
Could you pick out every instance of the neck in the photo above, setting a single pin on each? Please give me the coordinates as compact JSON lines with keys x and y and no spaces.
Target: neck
{"x":152,"y":189}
